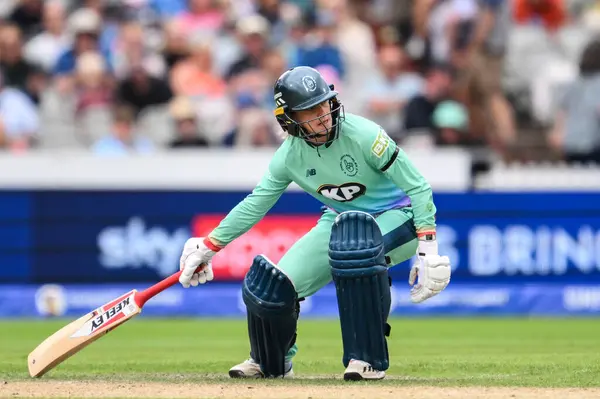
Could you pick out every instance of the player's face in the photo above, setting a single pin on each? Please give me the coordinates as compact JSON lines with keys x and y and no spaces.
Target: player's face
{"x":316,"y":122}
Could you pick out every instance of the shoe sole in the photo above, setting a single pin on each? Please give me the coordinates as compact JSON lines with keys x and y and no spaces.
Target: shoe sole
{"x":241,"y":374}
{"x":353,"y":376}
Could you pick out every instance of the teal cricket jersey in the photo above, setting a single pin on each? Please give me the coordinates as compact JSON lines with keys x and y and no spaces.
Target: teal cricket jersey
{"x":362,"y":170}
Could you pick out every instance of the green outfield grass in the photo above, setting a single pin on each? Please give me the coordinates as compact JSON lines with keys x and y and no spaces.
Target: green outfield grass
{"x":448,"y":352}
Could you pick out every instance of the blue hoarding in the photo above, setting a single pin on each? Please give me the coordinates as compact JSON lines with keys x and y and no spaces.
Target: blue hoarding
{"x":15,"y":236}
{"x":118,"y":236}
{"x":224,"y":300}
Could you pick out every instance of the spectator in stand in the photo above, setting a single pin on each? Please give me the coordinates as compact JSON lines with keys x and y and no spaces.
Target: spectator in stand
{"x":123,"y":140}
{"x":223,"y":56}
{"x":187,"y":131}
{"x":297,"y":28}
{"x":175,"y":47}
{"x":2,"y":136}
{"x":303,"y":5}
{"x":141,"y":88}
{"x":85,"y":25}
{"x":551,"y":13}
{"x":390,"y":88}
{"x":274,"y":64}
{"x":255,"y":128}
{"x":130,"y":49}
{"x":18,"y":72}
{"x":451,"y":124}
{"x":112,"y":15}
{"x":576,"y":133}
{"x":419,"y":110}
{"x":253,"y":33}
{"x":255,"y":86}
{"x":319,"y":45}
{"x":194,"y":75}
{"x":202,"y":17}
{"x":44,"y":49}
{"x":98,"y":6}
{"x":356,"y":41}
{"x":482,"y":62}
{"x":440,"y":26}
{"x":250,"y":83}
{"x":274,"y":11}
{"x":92,"y":85}
{"x":168,"y":8}
{"x":19,"y":121}
{"x":28,"y":16}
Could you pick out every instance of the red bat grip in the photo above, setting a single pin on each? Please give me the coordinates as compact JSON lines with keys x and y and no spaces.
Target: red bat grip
{"x":143,"y":296}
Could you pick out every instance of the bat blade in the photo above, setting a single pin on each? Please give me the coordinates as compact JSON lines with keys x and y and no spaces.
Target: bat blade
{"x":78,"y":334}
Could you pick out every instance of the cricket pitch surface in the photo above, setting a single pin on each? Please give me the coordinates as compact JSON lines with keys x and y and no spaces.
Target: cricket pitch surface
{"x":105,"y":389}
{"x":430,"y":358}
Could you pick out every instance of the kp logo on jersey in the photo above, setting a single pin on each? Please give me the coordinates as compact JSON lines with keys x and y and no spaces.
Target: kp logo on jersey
{"x":344,"y":193}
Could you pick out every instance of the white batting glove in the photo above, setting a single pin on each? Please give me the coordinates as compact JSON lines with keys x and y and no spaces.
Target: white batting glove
{"x":433,"y":272}
{"x":196,"y":252}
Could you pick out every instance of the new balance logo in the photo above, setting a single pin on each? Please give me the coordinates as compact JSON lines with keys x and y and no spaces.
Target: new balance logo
{"x":311,"y":172}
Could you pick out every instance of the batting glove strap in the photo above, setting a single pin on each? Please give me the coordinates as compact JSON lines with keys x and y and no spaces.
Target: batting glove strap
{"x":427,"y":247}
{"x":210,"y":245}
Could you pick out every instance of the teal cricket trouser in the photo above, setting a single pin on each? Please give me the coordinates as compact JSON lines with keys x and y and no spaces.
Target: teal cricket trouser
{"x":306,"y":263}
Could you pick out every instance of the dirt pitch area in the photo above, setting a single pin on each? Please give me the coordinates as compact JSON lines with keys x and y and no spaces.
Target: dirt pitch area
{"x":97,"y":389}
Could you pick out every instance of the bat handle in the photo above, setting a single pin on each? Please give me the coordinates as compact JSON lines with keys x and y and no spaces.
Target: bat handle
{"x":143,"y":296}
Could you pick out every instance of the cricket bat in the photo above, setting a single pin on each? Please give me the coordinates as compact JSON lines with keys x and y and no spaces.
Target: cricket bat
{"x":78,"y":334}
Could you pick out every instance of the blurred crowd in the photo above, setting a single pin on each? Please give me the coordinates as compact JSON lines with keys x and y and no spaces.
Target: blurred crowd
{"x":138,"y":76}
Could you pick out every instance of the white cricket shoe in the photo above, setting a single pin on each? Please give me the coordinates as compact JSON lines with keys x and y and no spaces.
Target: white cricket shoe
{"x":358,"y":370}
{"x":250,"y":369}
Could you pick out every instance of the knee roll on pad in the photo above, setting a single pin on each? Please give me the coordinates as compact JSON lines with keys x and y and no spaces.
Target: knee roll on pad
{"x":359,"y":271}
{"x":272,"y":307}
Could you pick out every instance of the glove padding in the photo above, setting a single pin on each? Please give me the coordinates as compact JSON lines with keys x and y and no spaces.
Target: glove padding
{"x":433,"y":272}
{"x":195,"y":253}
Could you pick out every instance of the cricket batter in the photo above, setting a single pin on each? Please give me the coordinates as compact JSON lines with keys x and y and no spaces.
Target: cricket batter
{"x":378,"y":212}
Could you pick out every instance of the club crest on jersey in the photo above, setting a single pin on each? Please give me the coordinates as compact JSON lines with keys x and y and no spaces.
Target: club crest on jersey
{"x":344,"y":193}
{"x":348,"y":165}
{"x":309,"y":83}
